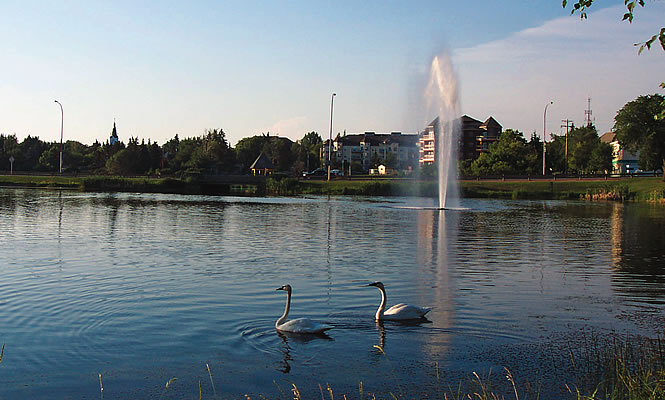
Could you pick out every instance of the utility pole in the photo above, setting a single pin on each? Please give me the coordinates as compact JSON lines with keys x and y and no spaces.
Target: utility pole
{"x":545,"y":132}
{"x":332,"y":100}
{"x":566,"y":123}
{"x":62,"y":124}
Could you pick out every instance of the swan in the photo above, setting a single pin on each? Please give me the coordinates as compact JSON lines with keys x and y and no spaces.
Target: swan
{"x":300,"y":325}
{"x":398,"y":312}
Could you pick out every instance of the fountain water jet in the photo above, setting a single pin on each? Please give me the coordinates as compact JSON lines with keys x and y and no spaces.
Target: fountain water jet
{"x":443,"y":100}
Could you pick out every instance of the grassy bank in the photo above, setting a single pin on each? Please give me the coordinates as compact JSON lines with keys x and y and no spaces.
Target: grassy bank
{"x":101,"y":183}
{"x":625,"y":189}
{"x":637,"y":189}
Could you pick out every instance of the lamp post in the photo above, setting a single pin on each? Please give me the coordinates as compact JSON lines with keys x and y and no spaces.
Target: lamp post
{"x":544,"y":132}
{"x":62,"y":124}
{"x":332,"y":100}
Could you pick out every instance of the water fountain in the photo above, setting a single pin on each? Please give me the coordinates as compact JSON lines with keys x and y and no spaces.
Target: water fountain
{"x":443,"y":100}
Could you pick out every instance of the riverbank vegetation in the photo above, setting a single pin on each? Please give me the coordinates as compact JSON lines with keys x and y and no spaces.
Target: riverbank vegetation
{"x":648,"y":189}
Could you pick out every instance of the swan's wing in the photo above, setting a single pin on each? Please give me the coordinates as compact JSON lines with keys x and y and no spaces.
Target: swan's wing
{"x":405,"y":311}
{"x":303,"y":325}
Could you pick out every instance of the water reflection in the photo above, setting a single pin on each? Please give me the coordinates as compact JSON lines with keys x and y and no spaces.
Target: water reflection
{"x":638,"y":255}
{"x":299,"y":338}
{"x":437,"y":237}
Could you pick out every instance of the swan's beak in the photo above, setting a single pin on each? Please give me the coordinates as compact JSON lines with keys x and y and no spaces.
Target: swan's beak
{"x":280,"y":288}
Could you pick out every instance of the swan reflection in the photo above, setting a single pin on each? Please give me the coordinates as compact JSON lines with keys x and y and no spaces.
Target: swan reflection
{"x":288,"y":338}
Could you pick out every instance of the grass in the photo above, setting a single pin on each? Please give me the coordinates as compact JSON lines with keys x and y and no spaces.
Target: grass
{"x":605,"y":367}
{"x":643,"y":189}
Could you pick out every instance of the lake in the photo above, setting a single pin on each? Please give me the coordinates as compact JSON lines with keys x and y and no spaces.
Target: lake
{"x":143,"y":288}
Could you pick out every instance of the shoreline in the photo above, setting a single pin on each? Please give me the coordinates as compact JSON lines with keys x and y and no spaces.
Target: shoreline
{"x":641,"y":189}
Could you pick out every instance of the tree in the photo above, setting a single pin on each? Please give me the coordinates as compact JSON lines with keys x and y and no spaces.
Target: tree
{"x":637,"y":130}
{"x":601,"y":158}
{"x":511,"y":154}
{"x":581,"y":142}
{"x":307,"y":150}
{"x":581,"y":6}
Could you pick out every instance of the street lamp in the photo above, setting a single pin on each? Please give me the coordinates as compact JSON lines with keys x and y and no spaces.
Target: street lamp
{"x":332,"y":100}
{"x":544,"y":132}
{"x":62,"y":124}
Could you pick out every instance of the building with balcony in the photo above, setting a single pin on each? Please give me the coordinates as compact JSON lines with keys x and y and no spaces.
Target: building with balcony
{"x":474,"y":139}
{"x":396,"y":149}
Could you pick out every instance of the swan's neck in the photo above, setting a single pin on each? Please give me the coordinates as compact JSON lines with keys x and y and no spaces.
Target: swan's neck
{"x":282,"y":319}
{"x":382,"y":307}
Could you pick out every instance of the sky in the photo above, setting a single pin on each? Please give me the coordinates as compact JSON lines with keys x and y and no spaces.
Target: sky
{"x":161,"y":68}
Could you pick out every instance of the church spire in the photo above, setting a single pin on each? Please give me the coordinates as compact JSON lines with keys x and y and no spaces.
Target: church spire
{"x":114,"y":135}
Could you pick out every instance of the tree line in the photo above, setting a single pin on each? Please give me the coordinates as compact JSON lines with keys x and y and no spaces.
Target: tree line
{"x":513,"y":155}
{"x":209,"y":153}
{"x":639,"y":128}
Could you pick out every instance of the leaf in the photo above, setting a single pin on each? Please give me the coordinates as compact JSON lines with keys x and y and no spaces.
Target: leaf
{"x":564,"y":2}
{"x":626,"y":16}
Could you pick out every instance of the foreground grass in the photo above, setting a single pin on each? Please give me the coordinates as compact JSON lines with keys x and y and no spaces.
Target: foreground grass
{"x":605,"y":368}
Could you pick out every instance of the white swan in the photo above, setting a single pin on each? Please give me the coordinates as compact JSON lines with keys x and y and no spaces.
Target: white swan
{"x":398,"y":312}
{"x":300,"y":325}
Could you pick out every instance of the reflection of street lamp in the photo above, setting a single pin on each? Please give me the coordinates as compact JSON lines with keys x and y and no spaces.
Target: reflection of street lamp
{"x":62,"y":124}
{"x":544,"y":132}
{"x":332,"y":99}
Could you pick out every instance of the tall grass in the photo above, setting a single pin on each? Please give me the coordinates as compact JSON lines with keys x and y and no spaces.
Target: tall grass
{"x":630,"y":369}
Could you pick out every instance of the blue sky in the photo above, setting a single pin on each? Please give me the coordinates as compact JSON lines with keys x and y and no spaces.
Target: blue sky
{"x":161,"y":68}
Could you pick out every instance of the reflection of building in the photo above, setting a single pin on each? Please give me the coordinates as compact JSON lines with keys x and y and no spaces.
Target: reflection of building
{"x":623,"y":162}
{"x":475,"y":139}
{"x":396,"y":149}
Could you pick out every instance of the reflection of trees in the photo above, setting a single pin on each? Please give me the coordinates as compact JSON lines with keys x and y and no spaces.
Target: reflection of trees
{"x":638,"y":250}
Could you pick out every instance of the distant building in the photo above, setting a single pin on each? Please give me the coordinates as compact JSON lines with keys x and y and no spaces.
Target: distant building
{"x":262,"y":165}
{"x":370,"y":147}
{"x":623,"y":162}
{"x":114,"y":136}
{"x":475,"y":138}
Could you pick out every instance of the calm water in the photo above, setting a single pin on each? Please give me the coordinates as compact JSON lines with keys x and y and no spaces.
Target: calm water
{"x":144,"y":288}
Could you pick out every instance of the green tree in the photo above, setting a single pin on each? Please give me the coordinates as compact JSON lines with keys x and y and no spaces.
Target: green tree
{"x":637,"y":130}
{"x":556,"y":154}
{"x":601,"y":158}
{"x":29,"y":152}
{"x":50,"y":158}
{"x":8,"y":148}
{"x":581,"y":7}
{"x":213,"y":153}
{"x":307,"y":151}
{"x":511,"y":154}
{"x":581,"y":142}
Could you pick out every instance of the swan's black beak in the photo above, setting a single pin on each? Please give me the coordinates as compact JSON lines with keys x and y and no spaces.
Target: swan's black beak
{"x":280,"y":288}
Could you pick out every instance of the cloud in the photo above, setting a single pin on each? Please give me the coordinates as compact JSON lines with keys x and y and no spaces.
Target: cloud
{"x":293,"y":128}
{"x":565,"y":60}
